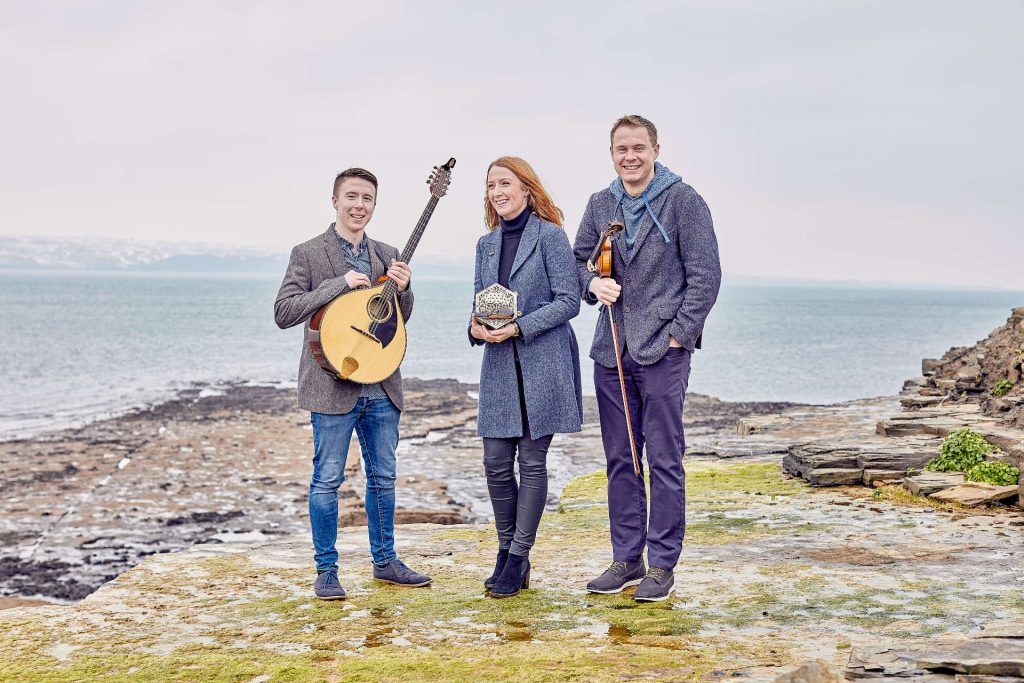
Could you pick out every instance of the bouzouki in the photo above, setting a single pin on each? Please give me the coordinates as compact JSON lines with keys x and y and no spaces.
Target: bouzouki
{"x":360,"y":336}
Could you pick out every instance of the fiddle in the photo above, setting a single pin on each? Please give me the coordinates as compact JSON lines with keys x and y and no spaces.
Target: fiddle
{"x":600,"y":263}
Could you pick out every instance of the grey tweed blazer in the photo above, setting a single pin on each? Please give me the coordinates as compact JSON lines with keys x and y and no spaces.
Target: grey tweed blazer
{"x":668,"y":288}
{"x":314,"y":277}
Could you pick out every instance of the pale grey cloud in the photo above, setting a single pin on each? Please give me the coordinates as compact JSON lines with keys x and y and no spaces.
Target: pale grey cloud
{"x":838,"y":140}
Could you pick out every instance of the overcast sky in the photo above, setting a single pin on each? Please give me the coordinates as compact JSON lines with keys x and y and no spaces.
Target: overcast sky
{"x":868,"y":141}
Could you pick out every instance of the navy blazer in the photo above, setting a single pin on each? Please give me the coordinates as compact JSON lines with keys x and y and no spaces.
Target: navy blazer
{"x":544,"y":276}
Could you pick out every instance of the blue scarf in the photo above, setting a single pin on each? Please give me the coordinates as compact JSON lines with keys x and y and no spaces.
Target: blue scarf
{"x":634,"y":207}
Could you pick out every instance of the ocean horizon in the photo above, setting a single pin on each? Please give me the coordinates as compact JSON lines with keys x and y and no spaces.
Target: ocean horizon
{"x":81,"y":346}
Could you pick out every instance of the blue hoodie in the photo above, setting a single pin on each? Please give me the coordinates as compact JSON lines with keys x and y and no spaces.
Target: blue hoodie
{"x":634,"y":207}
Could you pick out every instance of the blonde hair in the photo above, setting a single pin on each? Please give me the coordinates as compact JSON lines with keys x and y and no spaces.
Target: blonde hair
{"x":540,"y":201}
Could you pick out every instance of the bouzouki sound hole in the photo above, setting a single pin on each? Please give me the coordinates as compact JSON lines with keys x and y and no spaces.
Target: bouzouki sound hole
{"x":379,"y":309}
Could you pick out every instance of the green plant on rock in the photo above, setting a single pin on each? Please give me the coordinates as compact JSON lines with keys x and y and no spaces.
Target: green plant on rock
{"x":961,"y":450}
{"x":1002,"y":387}
{"x":994,"y":472}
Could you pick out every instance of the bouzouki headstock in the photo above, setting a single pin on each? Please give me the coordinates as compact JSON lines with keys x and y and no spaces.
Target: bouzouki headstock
{"x":441,"y":178}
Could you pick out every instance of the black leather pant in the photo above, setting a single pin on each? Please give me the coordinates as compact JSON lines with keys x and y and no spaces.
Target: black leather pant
{"x":517,"y":506}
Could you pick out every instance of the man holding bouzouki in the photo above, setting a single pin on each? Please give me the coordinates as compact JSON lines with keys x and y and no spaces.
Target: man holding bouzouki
{"x":657,"y":278}
{"x":342,"y":382}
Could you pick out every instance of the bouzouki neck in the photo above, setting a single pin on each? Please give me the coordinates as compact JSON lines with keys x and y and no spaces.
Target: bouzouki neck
{"x":439,"y":181}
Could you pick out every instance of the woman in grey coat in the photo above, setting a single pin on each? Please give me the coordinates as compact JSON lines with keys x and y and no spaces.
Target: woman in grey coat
{"x":530,"y":384}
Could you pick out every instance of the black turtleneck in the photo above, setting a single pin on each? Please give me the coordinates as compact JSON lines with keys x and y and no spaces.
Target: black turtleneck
{"x":511,"y":233}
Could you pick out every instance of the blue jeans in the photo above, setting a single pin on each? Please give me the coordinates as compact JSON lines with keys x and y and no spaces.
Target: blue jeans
{"x":375,"y":422}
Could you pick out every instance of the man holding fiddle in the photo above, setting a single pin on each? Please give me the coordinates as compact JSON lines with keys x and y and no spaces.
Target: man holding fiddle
{"x":667,"y":276}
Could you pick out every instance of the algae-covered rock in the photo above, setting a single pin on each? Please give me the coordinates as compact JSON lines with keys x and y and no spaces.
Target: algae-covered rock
{"x":756,"y":595}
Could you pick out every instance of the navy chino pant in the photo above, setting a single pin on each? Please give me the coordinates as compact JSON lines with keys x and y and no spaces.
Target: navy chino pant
{"x":655,"y":394}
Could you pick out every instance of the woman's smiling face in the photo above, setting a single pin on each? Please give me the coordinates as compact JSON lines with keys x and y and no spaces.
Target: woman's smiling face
{"x":506,"y":192}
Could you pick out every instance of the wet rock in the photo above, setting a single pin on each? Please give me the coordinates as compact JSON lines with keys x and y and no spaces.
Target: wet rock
{"x":973,"y":494}
{"x":71,"y":518}
{"x":204,"y":518}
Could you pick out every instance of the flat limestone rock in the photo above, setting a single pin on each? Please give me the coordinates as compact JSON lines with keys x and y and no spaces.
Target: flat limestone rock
{"x":980,"y":657}
{"x":897,"y":458}
{"x":817,"y":671}
{"x":815,"y":455}
{"x":973,"y":494}
{"x":869,"y":476}
{"x":927,"y":483}
{"x":907,"y":425}
{"x":834,"y":476}
{"x":920,"y":401}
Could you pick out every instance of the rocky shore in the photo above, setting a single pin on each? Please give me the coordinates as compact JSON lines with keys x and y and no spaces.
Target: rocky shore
{"x":814,"y":550}
{"x":81,"y":506}
{"x":775,"y":573}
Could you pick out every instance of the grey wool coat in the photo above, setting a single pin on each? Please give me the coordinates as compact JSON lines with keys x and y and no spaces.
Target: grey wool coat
{"x":668,"y":288}
{"x":314,"y":277}
{"x":544,"y":276}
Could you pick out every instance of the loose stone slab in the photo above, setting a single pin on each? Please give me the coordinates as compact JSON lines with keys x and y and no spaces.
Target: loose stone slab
{"x":811,"y":672}
{"x":834,"y":476}
{"x":897,"y":458}
{"x":973,"y":494}
{"x":1020,"y":489}
{"x":927,"y":483}
{"x":871,"y":476}
{"x":979,"y":657}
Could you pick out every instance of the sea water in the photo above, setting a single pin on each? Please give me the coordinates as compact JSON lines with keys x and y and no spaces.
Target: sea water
{"x":78,"y":346}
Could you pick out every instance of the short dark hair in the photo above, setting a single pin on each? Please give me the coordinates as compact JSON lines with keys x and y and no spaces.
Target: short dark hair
{"x":354,"y":172}
{"x":637,"y":121}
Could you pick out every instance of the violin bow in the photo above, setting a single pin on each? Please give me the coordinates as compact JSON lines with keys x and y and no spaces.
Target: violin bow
{"x":594,"y":266}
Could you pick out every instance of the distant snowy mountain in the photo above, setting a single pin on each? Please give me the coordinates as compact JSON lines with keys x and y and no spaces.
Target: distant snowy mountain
{"x":85,"y":253}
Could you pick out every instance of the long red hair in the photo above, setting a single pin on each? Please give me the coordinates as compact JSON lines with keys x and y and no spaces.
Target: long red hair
{"x":540,"y":201}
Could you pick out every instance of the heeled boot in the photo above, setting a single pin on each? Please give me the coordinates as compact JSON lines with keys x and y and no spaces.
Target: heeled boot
{"x":499,"y":564}
{"x":514,"y":577}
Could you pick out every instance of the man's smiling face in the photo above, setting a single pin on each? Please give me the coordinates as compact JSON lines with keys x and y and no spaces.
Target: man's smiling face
{"x":633,"y":156}
{"x":354,"y":202}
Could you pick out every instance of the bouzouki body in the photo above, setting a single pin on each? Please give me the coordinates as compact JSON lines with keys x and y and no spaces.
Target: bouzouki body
{"x":360,"y":336}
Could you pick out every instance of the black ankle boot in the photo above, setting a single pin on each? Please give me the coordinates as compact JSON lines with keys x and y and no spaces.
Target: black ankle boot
{"x":515,"y":576}
{"x":499,"y":564}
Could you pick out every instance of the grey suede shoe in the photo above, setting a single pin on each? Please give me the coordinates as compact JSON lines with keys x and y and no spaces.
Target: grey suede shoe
{"x":657,"y":585}
{"x":327,"y":586}
{"x":395,"y":572}
{"x":618,"y":576}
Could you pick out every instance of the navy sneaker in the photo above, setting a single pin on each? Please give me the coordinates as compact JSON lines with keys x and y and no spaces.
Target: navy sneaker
{"x":656,"y":586}
{"x":327,"y":586}
{"x":618,"y":576}
{"x":395,"y":572}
